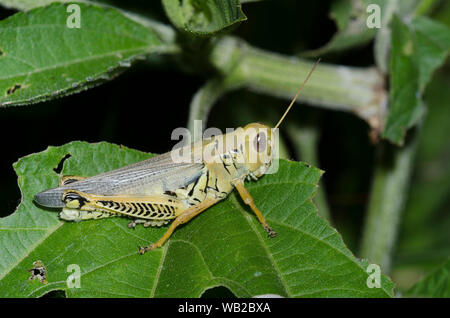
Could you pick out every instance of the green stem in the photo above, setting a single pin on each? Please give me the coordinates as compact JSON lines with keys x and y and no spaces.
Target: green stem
{"x":203,"y":101}
{"x":352,"y":89}
{"x":388,"y":196}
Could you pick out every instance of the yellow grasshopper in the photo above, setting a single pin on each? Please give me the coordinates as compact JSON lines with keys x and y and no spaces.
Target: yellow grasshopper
{"x":160,"y":189}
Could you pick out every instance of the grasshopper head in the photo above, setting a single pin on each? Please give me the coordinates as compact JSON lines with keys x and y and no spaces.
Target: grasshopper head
{"x":260,"y":145}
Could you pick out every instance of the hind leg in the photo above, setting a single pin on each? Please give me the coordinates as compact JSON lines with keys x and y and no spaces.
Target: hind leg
{"x":184,"y":217}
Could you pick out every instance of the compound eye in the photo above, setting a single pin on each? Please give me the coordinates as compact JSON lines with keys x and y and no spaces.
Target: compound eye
{"x":260,"y":142}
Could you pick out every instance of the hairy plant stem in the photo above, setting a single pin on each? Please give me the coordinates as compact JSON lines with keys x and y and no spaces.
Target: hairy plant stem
{"x":352,"y":89}
{"x":387,"y":199}
{"x":203,"y":101}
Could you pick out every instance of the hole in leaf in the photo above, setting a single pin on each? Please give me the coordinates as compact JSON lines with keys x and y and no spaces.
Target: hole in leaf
{"x":13,"y":89}
{"x":38,"y":272}
{"x":218,"y":292}
{"x":55,"y":294}
{"x":60,"y":165}
{"x":1,"y":52}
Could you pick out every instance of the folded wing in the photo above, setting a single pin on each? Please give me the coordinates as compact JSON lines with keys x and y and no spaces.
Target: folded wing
{"x":156,"y":175}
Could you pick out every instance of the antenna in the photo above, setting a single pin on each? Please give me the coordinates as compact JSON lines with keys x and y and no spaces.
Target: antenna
{"x":296,"y":95}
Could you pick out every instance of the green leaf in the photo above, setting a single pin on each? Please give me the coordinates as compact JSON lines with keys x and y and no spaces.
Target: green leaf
{"x":417,"y":50}
{"x":436,"y":284}
{"x":204,"y":17}
{"x":351,"y":22}
{"x":433,"y":45}
{"x":224,"y":246}
{"x":404,"y":100}
{"x":24,"y":5}
{"x":42,"y":58}
{"x":424,"y":240}
{"x":382,"y":44}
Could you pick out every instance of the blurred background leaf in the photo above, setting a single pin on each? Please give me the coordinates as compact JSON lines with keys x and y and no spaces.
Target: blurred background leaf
{"x":204,"y":17}
{"x":351,"y":22}
{"x":424,"y":240}
{"x":31,"y":4}
{"x":436,"y":284}
{"x":35,"y":68}
{"x":417,"y":50}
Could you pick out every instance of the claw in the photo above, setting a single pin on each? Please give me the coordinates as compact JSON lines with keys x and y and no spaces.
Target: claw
{"x":271,"y":233}
{"x":142,"y":250}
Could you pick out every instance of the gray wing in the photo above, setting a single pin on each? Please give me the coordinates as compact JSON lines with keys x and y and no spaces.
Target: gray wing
{"x":155,"y":175}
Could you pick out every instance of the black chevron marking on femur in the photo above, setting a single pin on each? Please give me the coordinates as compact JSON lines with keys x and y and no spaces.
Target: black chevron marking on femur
{"x":135,"y":208}
{"x":169,"y":209}
{"x":105,"y":203}
{"x":144,"y":208}
{"x":153,"y":210}
{"x":112,"y":205}
{"x":166,"y":210}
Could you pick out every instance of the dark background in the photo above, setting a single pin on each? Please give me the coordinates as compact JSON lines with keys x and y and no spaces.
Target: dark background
{"x":141,"y":107}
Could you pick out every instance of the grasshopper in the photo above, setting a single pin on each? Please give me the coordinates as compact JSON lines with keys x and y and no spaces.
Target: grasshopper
{"x":157,"y":190}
